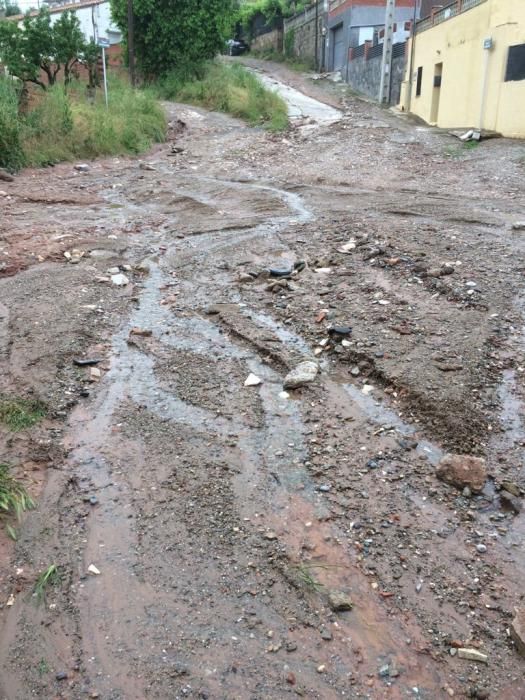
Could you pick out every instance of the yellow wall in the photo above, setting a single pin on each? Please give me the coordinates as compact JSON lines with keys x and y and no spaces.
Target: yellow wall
{"x":458,"y":44}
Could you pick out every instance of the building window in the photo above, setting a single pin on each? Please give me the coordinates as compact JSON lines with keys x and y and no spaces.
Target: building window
{"x":515,"y":63}
{"x":419,"y":80}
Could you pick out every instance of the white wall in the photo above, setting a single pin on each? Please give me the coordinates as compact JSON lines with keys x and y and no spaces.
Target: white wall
{"x":95,"y":20}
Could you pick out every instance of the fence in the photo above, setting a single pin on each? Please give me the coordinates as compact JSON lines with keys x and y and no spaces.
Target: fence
{"x":452,"y":10}
{"x":363,"y":71}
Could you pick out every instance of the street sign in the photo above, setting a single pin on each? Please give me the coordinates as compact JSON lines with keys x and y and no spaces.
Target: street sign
{"x":103,"y":43}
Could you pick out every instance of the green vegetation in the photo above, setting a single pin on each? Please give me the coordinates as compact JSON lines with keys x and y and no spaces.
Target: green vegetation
{"x":227,"y":88}
{"x":62,"y":124}
{"x":18,"y":414}
{"x":289,"y":43}
{"x":11,"y":152}
{"x":307,"y":579}
{"x":40,"y":48}
{"x":14,"y":499}
{"x":175,"y":35}
{"x":50,"y":577}
{"x":43,"y":667}
{"x":270,"y":9}
{"x":8,"y":9}
{"x":460,"y":150}
{"x":67,"y":126}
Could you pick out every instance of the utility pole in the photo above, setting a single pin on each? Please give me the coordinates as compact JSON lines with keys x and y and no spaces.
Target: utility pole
{"x":386,"y":65}
{"x":317,"y":35}
{"x":131,"y":44}
{"x":412,"y":52}
{"x":326,"y":9}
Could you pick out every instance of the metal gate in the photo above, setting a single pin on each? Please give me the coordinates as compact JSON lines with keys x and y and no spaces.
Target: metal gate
{"x":338,"y":57}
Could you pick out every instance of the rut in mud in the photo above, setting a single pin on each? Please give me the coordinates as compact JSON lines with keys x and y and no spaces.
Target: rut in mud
{"x":220,"y":516}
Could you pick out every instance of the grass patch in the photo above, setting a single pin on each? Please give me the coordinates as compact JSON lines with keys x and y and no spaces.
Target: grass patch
{"x":43,"y":667}
{"x":68,"y":126}
{"x":461,"y":149}
{"x":50,"y":577}
{"x":306,"y":577}
{"x":11,"y":152}
{"x":19,"y":414}
{"x":227,"y":88}
{"x":14,"y":498}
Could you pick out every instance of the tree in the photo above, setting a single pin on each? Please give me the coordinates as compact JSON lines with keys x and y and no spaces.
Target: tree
{"x":68,"y":42}
{"x":38,"y":44}
{"x":173,"y":34}
{"x":41,"y":47}
{"x":89,"y":58}
{"x":9,"y":9}
{"x":13,"y":54}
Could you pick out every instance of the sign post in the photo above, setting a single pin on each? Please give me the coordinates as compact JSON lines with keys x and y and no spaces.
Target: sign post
{"x":104,"y":44}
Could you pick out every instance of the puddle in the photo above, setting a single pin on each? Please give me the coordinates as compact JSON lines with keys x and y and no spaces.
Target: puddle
{"x":285,"y":336}
{"x":378,"y":413}
{"x":512,"y":410}
{"x":272,"y":479}
{"x":300,"y":106}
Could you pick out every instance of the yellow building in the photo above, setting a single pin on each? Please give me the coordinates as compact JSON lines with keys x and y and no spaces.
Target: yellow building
{"x":467,"y":67}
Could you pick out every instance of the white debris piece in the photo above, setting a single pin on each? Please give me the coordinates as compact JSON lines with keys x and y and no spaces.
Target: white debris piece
{"x":252,"y":380}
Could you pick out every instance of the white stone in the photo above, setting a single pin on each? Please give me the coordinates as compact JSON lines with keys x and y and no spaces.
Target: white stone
{"x":347,"y":247}
{"x":472,"y":655}
{"x":304,"y":373}
{"x":119,"y":280}
{"x":252,"y":380}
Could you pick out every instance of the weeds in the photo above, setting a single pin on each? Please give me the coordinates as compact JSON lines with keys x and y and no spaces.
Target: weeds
{"x":227,"y":88}
{"x":64,"y":126}
{"x":11,"y":152}
{"x":459,"y":150}
{"x":306,"y":577}
{"x":43,"y":667}
{"x":13,"y":496}
{"x":19,"y":414}
{"x":50,"y":577}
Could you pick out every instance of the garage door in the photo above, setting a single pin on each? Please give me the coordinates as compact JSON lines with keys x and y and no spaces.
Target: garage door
{"x":339,"y":48}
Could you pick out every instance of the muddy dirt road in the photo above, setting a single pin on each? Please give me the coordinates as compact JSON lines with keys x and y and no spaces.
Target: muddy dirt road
{"x":230,"y":524}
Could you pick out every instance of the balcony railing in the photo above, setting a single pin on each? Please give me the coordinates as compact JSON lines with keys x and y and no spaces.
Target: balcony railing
{"x":443,"y":14}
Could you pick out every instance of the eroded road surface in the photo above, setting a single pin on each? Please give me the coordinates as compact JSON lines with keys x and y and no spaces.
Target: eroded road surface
{"x":230,"y":524}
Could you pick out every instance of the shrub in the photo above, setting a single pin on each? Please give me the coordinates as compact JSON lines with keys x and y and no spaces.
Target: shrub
{"x":228,"y":88}
{"x":11,"y":152}
{"x":289,"y":43}
{"x":66,"y":126}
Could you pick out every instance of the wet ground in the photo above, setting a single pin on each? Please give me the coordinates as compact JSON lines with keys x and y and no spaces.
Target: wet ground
{"x":221,"y":517}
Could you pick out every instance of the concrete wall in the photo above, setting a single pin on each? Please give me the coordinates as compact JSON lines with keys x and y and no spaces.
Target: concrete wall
{"x":364,"y":75}
{"x":457,"y":44}
{"x":303,"y":27}
{"x":271,"y":40}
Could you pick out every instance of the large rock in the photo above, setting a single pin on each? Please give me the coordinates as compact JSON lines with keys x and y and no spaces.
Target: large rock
{"x":517,"y":631}
{"x":304,"y":373}
{"x":339,"y":601}
{"x":463,"y":470}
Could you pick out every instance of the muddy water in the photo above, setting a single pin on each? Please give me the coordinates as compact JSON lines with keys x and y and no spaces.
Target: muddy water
{"x":300,"y":106}
{"x":286,"y":476}
{"x":271,"y":478}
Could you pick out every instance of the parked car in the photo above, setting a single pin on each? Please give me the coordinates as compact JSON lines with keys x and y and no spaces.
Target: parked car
{"x":236,"y":47}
